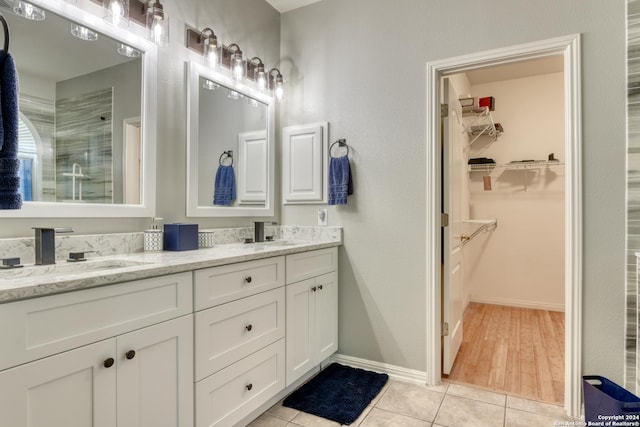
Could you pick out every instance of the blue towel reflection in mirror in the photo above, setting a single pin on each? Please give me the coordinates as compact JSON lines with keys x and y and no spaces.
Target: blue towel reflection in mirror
{"x":225,"y":186}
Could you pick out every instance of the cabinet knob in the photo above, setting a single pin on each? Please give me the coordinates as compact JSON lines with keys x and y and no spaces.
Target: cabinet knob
{"x":248,"y":279}
{"x":130,"y":354}
{"x":249,"y":386}
{"x":109,"y":362}
{"x":249,"y":327}
{"x":320,"y":287}
{"x":313,"y":289}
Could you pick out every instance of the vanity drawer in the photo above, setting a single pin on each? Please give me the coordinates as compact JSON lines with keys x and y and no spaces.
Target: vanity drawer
{"x":305,"y":265}
{"x":229,"y":332}
{"x":233,"y":393}
{"x":218,"y":285}
{"x":39,"y":327}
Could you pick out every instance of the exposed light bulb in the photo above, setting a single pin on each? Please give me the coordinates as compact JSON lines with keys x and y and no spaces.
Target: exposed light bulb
{"x":279,"y":92}
{"x":211,"y":54}
{"x":262,"y":81}
{"x":116,"y":12}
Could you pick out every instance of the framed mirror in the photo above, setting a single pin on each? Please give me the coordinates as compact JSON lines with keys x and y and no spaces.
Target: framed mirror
{"x":230,"y":146}
{"x":87,"y":121}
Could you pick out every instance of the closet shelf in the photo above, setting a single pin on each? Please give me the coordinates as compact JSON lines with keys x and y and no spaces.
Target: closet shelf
{"x":478,"y":121}
{"x":477,"y":226}
{"x":538,"y":164}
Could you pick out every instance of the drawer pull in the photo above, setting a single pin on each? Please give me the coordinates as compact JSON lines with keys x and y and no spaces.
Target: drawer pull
{"x":109,"y":362}
{"x":320,"y":287}
{"x":130,"y":354}
{"x":249,"y":327}
{"x":249,"y":386}
{"x":313,"y":289}
{"x":248,"y":279}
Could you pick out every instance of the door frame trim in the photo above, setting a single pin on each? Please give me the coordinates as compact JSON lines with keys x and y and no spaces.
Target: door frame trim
{"x":569,"y":47}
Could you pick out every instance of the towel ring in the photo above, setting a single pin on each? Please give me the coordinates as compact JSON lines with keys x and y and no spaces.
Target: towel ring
{"x":229,"y":155}
{"x":341,"y":143}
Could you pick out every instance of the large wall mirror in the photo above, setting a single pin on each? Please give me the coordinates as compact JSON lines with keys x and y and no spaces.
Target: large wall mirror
{"x":230,"y":130}
{"x":87,"y":119}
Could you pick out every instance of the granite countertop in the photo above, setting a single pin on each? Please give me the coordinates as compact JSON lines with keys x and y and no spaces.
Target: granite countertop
{"x":30,"y":281}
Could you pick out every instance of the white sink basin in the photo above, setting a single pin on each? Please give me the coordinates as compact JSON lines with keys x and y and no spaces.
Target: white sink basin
{"x":66,"y":268}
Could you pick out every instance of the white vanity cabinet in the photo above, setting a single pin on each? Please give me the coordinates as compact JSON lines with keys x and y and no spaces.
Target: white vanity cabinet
{"x":312,"y":310}
{"x":120,"y":355}
{"x":239,"y":339}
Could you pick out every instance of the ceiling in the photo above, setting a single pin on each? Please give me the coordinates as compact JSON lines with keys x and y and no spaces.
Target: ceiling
{"x":283,"y":6}
{"x":516,"y":70}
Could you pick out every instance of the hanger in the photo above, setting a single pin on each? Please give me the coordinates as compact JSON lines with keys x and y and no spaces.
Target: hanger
{"x":5,"y":26}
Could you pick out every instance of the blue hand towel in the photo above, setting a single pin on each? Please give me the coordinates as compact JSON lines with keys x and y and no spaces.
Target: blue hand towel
{"x":9,"y":106}
{"x":340,"y":182}
{"x":225,"y":186}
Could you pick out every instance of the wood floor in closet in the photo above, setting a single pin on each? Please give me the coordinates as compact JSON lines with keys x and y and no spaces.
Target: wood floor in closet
{"x":518,"y":351}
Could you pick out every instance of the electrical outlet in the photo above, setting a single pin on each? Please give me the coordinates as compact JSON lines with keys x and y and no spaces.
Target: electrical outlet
{"x":322,"y":216}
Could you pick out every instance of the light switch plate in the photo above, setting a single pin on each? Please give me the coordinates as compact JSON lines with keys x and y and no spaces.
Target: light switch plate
{"x":323,"y":216}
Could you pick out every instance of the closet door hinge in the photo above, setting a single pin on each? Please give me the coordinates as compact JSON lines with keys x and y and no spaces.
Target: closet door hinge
{"x":444,"y":110}
{"x":444,"y":219}
{"x":445,"y":329}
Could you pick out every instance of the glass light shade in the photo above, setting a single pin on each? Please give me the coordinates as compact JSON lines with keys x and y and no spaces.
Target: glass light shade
{"x":235,"y":95}
{"x":261,"y":80}
{"x":237,"y":66}
{"x":83,"y":33}
{"x":208,"y":84}
{"x":158,"y":25}
{"x":29,"y":11}
{"x":128,"y":51}
{"x":117,"y":12}
{"x":210,"y":53}
{"x":278,"y":90}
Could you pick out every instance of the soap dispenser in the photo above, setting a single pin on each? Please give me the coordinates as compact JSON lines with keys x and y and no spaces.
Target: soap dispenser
{"x":153,"y":237}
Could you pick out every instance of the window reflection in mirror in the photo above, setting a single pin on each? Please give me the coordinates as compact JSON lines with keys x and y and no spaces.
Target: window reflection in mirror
{"x":80,"y":109}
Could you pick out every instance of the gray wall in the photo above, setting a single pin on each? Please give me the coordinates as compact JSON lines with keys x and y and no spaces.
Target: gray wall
{"x":360,"y":64}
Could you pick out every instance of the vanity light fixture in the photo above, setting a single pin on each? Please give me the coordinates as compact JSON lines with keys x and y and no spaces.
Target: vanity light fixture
{"x":148,"y":13}
{"x":206,"y":43}
{"x":157,"y":22}
{"x":257,"y":73}
{"x":276,"y":83}
{"x":127,"y":51}
{"x":83,"y":33}
{"x":28,"y":11}
{"x":237,"y":64}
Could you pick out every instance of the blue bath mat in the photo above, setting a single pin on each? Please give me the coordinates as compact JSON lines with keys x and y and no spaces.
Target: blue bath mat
{"x":338,"y":393}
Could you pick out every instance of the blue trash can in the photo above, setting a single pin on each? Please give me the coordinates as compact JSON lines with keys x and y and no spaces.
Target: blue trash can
{"x":603,"y":398}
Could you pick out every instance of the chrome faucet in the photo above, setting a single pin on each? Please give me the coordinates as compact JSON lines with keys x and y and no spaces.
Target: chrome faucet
{"x":258,"y":231}
{"x":46,"y":244}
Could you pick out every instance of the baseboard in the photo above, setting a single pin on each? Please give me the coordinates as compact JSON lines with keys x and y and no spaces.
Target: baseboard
{"x":518,"y":303}
{"x":395,"y":372}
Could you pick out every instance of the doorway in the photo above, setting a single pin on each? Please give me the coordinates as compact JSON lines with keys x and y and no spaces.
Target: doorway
{"x":568,"y":49}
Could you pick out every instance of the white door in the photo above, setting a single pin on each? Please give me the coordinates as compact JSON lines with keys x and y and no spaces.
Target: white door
{"x":72,"y":389}
{"x":453,"y":168}
{"x":326,"y":315}
{"x":301,"y":319}
{"x":155,"y":375}
{"x":252,"y":167}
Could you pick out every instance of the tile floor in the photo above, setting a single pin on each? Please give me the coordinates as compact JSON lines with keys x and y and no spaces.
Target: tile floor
{"x":447,"y":405}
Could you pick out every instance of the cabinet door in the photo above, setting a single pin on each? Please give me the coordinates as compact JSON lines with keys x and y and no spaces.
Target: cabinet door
{"x":301,"y":318}
{"x":155,"y":375}
{"x":71,"y":389}
{"x":326,"y":297}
